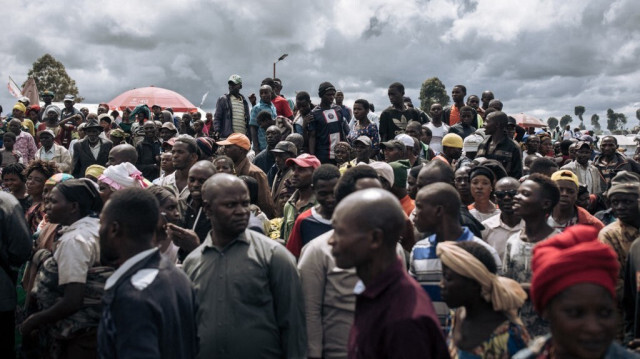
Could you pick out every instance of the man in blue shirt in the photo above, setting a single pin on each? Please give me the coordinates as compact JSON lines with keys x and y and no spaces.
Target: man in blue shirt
{"x":258,"y":134}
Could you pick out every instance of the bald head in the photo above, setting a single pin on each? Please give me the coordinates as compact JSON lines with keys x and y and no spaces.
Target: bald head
{"x":122,"y":153}
{"x":220,"y":183}
{"x":508,"y":183}
{"x":443,"y":195}
{"x":205,"y":167}
{"x":434,"y":172}
{"x":370,"y":209}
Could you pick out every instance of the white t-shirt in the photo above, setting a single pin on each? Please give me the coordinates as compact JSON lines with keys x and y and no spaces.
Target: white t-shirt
{"x":567,"y":135}
{"x":78,"y":250}
{"x":436,"y":138}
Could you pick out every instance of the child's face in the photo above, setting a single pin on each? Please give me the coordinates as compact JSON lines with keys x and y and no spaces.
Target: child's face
{"x":223,"y":166}
{"x":8,"y":142}
{"x":265,"y":95}
{"x":466,"y":117}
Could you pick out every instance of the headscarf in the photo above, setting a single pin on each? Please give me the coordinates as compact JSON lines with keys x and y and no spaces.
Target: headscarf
{"x":504,"y":294}
{"x":20,"y":106}
{"x":122,"y":176}
{"x":569,"y":258}
{"x":58,"y":178}
{"x":50,"y":108}
{"x":82,"y":191}
{"x":144,"y":109}
{"x":484,"y":171}
{"x":94,"y":171}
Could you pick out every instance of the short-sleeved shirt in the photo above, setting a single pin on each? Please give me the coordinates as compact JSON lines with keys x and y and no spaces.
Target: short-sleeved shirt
{"x":253,"y":121}
{"x":330,"y":128}
{"x":308,"y":226}
{"x":437,"y":133}
{"x":393,"y":121}
{"x":77,"y":250}
{"x":282,"y":106}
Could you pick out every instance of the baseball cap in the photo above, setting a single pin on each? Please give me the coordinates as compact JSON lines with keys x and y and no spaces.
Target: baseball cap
{"x":304,"y":160}
{"x":384,"y":170}
{"x":511,"y":121}
{"x":236,"y":79}
{"x":397,"y":144}
{"x":69,"y":98}
{"x":156,"y":105}
{"x":565,"y":175}
{"x":364,"y":139}
{"x":406,"y":139}
{"x":170,"y":142}
{"x":471,"y":143}
{"x":285,"y":146}
{"x":20,"y":106}
{"x":47,"y":131}
{"x":237,"y":139}
{"x":581,"y":144}
{"x":104,"y":115}
{"x":452,"y":140}
{"x":169,"y":126}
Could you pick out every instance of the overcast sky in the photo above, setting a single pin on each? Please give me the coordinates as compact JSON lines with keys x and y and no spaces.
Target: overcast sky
{"x":539,"y":57}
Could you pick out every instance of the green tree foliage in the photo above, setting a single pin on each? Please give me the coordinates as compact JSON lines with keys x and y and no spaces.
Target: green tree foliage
{"x":595,"y":122}
{"x":615,"y":121}
{"x":565,"y":120}
{"x":552,"y":122}
{"x":51,"y":75}
{"x":433,"y":91}
{"x":638,"y":114}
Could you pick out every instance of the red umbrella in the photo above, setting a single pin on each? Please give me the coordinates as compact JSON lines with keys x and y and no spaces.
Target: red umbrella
{"x":152,"y":96}
{"x":528,"y":121}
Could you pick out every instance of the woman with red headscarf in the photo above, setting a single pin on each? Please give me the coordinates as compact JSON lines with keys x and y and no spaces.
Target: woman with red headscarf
{"x":573,"y":287}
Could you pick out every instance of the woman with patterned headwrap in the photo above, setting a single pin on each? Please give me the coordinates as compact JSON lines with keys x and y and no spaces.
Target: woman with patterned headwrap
{"x":485,"y":324}
{"x":574,"y":288}
{"x":120,"y":176}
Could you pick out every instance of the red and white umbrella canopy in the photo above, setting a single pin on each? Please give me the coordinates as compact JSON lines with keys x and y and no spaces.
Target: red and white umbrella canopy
{"x":152,"y":96}
{"x":528,"y":121}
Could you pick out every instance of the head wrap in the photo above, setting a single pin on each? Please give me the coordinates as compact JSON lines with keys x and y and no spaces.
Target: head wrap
{"x":324,"y":87}
{"x":124,"y":175}
{"x":504,"y":294}
{"x":82,"y":191}
{"x":206,"y":145}
{"x":94,"y":171}
{"x":569,"y":258}
{"x":20,"y":106}
{"x":58,"y":178}
{"x":51,"y":108}
{"x":144,"y":109}
{"x":484,"y":171}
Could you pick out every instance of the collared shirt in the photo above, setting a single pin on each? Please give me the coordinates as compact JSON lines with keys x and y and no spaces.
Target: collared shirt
{"x":26,"y":145}
{"x":95,"y":150}
{"x":619,"y":236}
{"x":426,"y":268}
{"x":507,"y":152}
{"x":587,"y":176}
{"x":77,"y":250}
{"x":57,"y":154}
{"x":496,"y":233}
{"x":251,"y":303}
{"x":183,"y":195}
{"x":259,"y":107}
{"x":410,"y":330}
{"x":113,"y":279}
{"x":291,"y":212}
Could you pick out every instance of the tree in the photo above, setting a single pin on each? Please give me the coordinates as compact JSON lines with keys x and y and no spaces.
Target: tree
{"x":433,"y":91}
{"x":615,"y":121}
{"x":51,"y":75}
{"x":638,"y":114}
{"x":579,"y":111}
{"x":565,"y":120}
{"x":552,"y":122}
{"x":595,"y":122}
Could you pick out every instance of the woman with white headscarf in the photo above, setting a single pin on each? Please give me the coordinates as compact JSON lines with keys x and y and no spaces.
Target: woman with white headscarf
{"x":117,"y":177}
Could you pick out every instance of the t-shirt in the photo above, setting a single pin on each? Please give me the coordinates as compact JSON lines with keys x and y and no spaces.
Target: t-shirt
{"x":330,"y":128}
{"x":308,"y":226}
{"x":437,"y":135}
{"x":393,"y":121}
{"x":253,"y":121}
{"x":454,"y":116}
{"x":282,"y":106}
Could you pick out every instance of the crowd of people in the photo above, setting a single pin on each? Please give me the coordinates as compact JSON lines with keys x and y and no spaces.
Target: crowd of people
{"x":280,"y":228}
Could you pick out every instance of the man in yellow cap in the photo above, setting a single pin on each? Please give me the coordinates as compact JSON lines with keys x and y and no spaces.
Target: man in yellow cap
{"x":19,"y":111}
{"x":566,"y":213}
{"x":451,"y":149}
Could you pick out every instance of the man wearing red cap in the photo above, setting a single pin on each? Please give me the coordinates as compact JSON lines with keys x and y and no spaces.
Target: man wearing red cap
{"x":303,"y":198}
{"x":236,"y":146}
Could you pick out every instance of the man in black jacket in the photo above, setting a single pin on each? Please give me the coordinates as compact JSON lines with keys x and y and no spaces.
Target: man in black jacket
{"x":149,"y":152}
{"x":232,"y":111}
{"x":91,"y":150}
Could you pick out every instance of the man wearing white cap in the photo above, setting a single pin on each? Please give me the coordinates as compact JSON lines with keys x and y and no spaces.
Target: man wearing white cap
{"x":469,"y":149}
{"x":69,"y":110}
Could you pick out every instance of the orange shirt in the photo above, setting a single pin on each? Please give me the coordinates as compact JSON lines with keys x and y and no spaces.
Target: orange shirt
{"x":408,"y":205}
{"x":454,"y":115}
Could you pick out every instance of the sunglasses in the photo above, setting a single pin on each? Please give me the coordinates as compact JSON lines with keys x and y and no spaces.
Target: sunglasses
{"x":503,"y":194}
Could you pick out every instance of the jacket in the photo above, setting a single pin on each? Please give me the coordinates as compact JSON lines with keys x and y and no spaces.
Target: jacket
{"x":83,"y":158}
{"x":61,"y":156}
{"x":148,"y":155}
{"x":223,"y":119}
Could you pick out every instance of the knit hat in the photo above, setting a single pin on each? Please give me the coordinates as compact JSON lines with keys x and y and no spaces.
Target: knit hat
{"x":452,"y":140}
{"x":206,"y":145}
{"x":572,"y":257}
{"x":324,"y":87}
{"x":624,"y":182}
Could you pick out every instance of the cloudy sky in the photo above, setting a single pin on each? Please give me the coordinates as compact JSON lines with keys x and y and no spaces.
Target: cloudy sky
{"x":539,"y":57}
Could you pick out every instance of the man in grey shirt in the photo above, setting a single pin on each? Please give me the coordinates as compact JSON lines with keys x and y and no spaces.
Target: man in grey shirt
{"x":248,"y":289}
{"x":15,"y":248}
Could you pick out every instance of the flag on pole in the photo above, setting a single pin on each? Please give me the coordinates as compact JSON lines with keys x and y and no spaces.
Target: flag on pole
{"x":203,"y":98}
{"x":30,"y":90}
{"x":14,"y":89}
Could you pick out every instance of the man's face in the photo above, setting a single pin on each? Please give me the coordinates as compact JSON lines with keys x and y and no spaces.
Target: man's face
{"x":324,"y":194}
{"x":68,"y":105}
{"x":17,"y":113}
{"x":466,"y":117}
{"x":52,"y":117}
{"x":197,"y":177}
{"x":8,"y":142}
{"x":342,"y":154}
{"x":92,"y":134}
{"x":108,"y":240}
{"x":505,"y":192}
{"x":426,"y":219}
{"x":181,"y":156}
{"x":302,"y":176}
{"x":608,"y":146}
{"x":473,"y":101}
{"x":166,"y":162}
{"x":533,"y":144}
{"x":362,"y":151}
{"x":265,"y":95}
{"x":166,"y":134}
{"x":234,"y":89}
{"x":625,"y":206}
{"x":273,"y":135}
{"x":436,"y":110}
{"x":392,"y":154}
{"x":339,"y":98}
{"x":425,"y":137}
{"x":196,"y":116}
{"x":528,"y":200}
{"x":84,"y":111}
{"x":413,"y":131}
{"x":46,"y":140}
{"x":349,"y":242}
{"x":281,"y":160}
{"x":228,"y":209}
{"x":395,"y":96}
{"x":583,"y":155}
{"x":102,"y":110}
{"x":461,"y":181}
{"x":457,"y":95}
{"x":490,"y":125}
{"x":47,"y":99}
{"x":486,"y":97}
{"x":236,"y":153}
{"x":452,"y":152}
{"x":328,"y":97}
{"x":15,"y":127}
{"x":303,"y":106}
{"x":157,"y":110}
{"x":412,"y":187}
